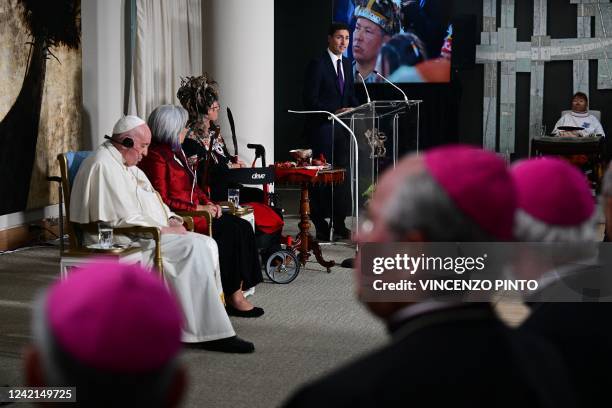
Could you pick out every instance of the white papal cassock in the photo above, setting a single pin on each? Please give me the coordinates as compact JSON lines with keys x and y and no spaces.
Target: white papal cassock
{"x":105,"y":189}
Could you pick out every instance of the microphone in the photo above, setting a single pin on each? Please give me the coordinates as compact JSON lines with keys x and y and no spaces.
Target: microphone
{"x":127,"y":142}
{"x":392,"y":84}
{"x":364,"y":85}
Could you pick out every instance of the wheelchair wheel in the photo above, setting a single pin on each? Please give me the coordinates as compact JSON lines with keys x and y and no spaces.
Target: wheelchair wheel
{"x":282,"y":266}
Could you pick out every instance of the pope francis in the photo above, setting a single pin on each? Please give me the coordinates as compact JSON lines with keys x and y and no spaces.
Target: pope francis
{"x":109,"y":187}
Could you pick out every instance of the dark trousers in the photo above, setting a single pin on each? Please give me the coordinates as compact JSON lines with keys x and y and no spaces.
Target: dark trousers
{"x":238,"y":256}
{"x":327,"y":201}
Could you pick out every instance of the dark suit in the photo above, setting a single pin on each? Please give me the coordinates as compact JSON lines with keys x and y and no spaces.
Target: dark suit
{"x":580,"y":331}
{"x":321,"y":92}
{"x":459,"y":357}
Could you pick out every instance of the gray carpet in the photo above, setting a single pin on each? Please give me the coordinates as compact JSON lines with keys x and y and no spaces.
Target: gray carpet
{"x":311,"y":326}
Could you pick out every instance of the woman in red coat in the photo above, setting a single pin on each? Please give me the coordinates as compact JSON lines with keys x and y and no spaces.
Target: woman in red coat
{"x":168,"y":170}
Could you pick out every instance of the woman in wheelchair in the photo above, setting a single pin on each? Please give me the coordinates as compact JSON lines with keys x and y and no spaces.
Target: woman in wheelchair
{"x":204,"y":145}
{"x":167,"y":169}
{"x":200,"y":97}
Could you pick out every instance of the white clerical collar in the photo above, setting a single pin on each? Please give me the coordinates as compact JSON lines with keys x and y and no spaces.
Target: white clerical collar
{"x":580,"y":114}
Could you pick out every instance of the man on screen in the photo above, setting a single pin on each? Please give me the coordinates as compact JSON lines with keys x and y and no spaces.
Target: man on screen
{"x":377,"y":21}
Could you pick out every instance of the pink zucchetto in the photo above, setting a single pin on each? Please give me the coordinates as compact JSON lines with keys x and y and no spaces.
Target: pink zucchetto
{"x":478,"y":183}
{"x":127,"y":123}
{"x":553,"y":191}
{"x":115,"y":318}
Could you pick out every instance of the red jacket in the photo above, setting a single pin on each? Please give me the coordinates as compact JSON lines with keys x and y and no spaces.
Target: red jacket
{"x":173,"y":179}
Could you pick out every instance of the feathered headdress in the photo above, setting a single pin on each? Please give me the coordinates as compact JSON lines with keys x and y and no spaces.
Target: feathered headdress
{"x":197,"y":94}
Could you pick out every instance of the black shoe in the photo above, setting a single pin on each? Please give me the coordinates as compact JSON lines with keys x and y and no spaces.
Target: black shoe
{"x":348,"y":263}
{"x":322,"y":236}
{"x":342,"y":233}
{"x":254,"y":312}
{"x":232,"y":344}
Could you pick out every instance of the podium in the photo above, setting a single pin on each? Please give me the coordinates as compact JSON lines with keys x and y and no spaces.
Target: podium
{"x":594,"y":147}
{"x":375,"y":141}
{"x":380,"y":141}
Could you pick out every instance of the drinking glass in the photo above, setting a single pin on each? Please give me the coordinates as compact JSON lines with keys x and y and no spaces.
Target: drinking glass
{"x":233,"y":196}
{"x":105,"y":235}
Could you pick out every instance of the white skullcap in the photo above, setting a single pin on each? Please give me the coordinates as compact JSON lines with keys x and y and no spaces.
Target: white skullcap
{"x":127,"y":123}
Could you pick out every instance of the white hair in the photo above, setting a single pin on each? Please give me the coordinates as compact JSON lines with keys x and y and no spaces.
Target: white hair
{"x":166,"y":123}
{"x":529,"y":229}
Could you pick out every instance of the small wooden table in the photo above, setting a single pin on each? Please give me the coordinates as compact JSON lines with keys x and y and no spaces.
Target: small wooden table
{"x":297,"y":176}
{"x":75,"y":257}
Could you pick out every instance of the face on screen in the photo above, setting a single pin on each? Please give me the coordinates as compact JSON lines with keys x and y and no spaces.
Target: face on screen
{"x":368,"y":38}
{"x":400,"y":49}
{"x":338,"y":42}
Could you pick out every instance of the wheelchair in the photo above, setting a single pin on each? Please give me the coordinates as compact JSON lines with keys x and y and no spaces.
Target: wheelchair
{"x":277,"y":251}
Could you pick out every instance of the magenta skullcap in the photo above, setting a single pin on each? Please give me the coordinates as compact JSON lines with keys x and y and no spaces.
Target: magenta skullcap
{"x":114,"y":317}
{"x":553,"y":191}
{"x":479,"y":184}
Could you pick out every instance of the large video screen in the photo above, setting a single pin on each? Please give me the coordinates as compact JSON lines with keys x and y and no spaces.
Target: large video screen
{"x":404,"y":40}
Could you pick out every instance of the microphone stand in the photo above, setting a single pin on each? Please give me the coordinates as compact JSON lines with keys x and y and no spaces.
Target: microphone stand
{"x":364,"y":86}
{"x":392,"y":84}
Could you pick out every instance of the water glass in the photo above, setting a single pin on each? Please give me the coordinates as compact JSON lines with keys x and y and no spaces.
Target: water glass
{"x":105,"y":235}
{"x":233,"y":196}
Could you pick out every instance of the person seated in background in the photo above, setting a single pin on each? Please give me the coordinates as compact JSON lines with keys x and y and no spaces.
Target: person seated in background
{"x":112,"y":331}
{"x":556,"y":206}
{"x":579,"y":117}
{"x":110,"y":187}
{"x":167,"y":168}
{"x":443,"y":352}
{"x":200,"y":97}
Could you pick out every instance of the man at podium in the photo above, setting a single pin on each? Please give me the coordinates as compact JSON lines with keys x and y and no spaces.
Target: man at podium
{"x":328,"y":86}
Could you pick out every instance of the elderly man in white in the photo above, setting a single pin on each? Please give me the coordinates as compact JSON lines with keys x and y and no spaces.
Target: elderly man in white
{"x":109,"y":187}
